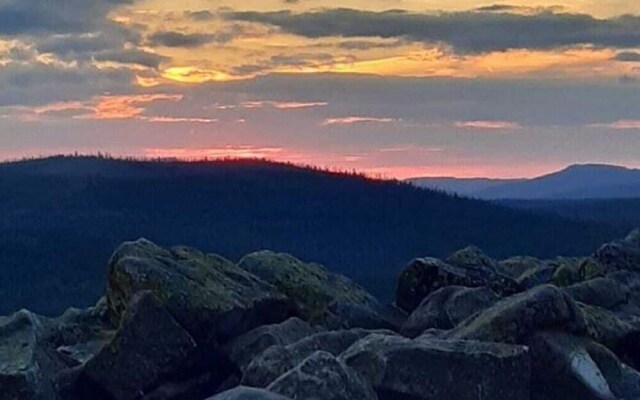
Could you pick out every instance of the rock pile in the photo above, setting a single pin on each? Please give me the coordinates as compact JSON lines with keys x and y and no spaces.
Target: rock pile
{"x":178,"y":324}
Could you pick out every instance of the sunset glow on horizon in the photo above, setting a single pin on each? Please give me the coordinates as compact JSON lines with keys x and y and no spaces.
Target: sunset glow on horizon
{"x":458,"y":88}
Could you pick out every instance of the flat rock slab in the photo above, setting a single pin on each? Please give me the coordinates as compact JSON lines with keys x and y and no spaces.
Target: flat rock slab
{"x":426,"y":369}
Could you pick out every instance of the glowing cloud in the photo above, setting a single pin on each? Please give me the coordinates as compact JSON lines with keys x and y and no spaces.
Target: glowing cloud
{"x":488,"y":125}
{"x":620,"y":125}
{"x":244,"y":152}
{"x":357,"y":120}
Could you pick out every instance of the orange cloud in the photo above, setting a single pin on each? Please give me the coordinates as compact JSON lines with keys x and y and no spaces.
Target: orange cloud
{"x":180,"y":120}
{"x":125,"y":107}
{"x":357,"y":120}
{"x":488,"y":125}
{"x":245,"y":152}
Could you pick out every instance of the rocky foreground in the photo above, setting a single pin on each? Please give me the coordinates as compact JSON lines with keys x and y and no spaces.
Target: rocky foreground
{"x":177,"y":324}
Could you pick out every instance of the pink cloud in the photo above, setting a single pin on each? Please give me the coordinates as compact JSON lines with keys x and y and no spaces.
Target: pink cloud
{"x":623,"y":124}
{"x":488,"y":125}
{"x":357,"y":120}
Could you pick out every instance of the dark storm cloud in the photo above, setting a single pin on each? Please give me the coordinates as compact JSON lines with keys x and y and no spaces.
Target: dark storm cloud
{"x":36,"y":17}
{"x":465,"y":31}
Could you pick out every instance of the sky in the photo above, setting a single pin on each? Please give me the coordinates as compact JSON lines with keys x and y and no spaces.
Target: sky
{"x":393,"y":88}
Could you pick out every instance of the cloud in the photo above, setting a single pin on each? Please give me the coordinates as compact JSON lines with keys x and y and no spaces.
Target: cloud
{"x":282,"y":105}
{"x":173,"y":120}
{"x":357,"y":120}
{"x":131,"y":56}
{"x":465,"y":32}
{"x":248,"y":152}
{"x":193,"y":40}
{"x":42,"y":17}
{"x":620,"y":125}
{"x":488,"y":125}
{"x":628,"y":56}
{"x":177,"y":39}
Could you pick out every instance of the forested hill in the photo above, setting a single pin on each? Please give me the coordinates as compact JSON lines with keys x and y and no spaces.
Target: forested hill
{"x":61,"y":218}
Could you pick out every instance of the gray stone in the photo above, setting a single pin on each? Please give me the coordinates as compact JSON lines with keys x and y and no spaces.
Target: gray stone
{"x":208,"y":295}
{"x":404,"y":369}
{"x":277,"y":360}
{"x":149,"y":348}
{"x":514,"y":318}
{"x":447,"y":307}
{"x":247,"y":393}
{"x":245,"y":348}
{"x":322,"y":376}
{"x":322,"y":297}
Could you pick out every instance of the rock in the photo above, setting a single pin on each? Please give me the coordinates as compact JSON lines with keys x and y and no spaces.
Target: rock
{"x":404,"y":369}
{"x":198,"y":387}
{"x":212,"y":298}
{"x":324,"y":377}
{"x":515,"y":267}
{"x":248,"y":393}
{"x":277,"y":360}
{"x":246,"y":347}
{"x":472,"y":268}
{"x":26,"y":367}
{"x":150,"y":347}
{"x":567,"y":273}
{"x":621,"y":254}
{"x":323,"y":298}
{"x":447,"y":307}
{"x":536,"y":277}
{"x":572,"y":368}
{"x":601,"y":292}
{"x":513,"y":319}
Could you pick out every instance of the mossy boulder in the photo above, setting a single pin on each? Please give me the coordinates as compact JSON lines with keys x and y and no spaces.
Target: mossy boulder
{"x":429,"y":368}
{"x":513,"y":319}
{"x":207,"y":294}
{"x":423,"y":276}
{"x":621,"y":254}
{"x":322,"y":297}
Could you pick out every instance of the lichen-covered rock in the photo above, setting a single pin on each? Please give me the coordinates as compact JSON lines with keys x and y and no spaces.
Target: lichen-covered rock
{"x":517,"y":266}
{"x":322,"y":376}
{"x":536,"y":276}
{"x":277,"y":360}
{"x":245,"y":348}
{"x":208,"y":295}
{"x":248,"y":393}
{"x":319,"y":294}
{"x":404,"y":369}
{"x":26,"y":368}
{"x":423,"y":276}
{"x":513,"y":319}
{"x":621,"y":254}
{"x":447,"y":307}
{"x":601,"y":292}
{"x":149,"y":348}
{"x":573,"y":368}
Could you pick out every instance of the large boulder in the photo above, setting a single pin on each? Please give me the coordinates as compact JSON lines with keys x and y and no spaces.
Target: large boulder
{"x":621,"y":254}
{"x":600,"y":292}
{"x":150,"y":347}
{"x":277,"y":360}
{"x":404,"y":369}
{"x":573,"y":368}
{"x":26,"y":365}
{"x":322,"y":297}
{"x":247,"y":393}
{"x":245,"y":348}
{"x":423,"y":276}
{"x":212,"y":298}
{"x":447,"y":307}
{"x":322,"y":376}
{"x":513,"y":319}
{"x":516,"y":267}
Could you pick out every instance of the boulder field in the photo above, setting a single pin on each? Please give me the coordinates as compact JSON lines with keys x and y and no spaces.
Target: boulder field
{"x":179,"y":324}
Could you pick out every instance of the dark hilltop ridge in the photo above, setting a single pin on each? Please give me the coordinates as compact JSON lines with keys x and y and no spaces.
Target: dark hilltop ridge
{"x":179,"y":324}
{"x":61,"y":217}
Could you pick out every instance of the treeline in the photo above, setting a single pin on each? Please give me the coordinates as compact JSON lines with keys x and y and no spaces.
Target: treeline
{"x":61,"y":218}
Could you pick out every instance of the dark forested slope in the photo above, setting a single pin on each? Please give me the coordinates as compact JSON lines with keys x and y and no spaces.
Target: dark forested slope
{"x":60,"y":218}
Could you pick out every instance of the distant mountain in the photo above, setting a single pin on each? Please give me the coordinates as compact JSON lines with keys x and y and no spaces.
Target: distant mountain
{"x":62,"y":217}
{"x":588,"y":181}
{"x":464,"y":187}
